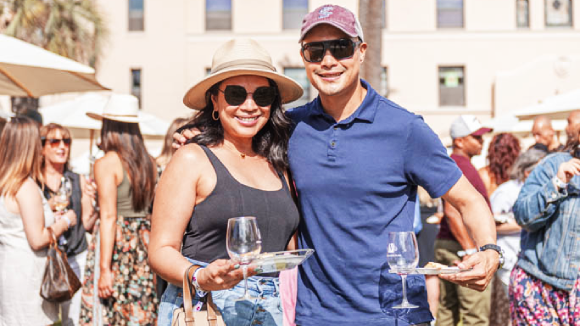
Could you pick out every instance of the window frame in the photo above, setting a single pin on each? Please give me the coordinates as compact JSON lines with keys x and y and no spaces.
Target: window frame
{"x":129,"y":19}
{"x":307,"y":90}
{"x":527,"y":17}
{"x":231,"y":19}
{"x":297,"y":22}
{"x":450,"y":27}
{"x":463,"y":85}
{"x":140,"y":92}
{"x":570,"y":15}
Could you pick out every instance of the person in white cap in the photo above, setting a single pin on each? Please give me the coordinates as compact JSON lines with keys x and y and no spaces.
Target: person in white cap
{"x":453,"y":239}
{"x":357,"y":159}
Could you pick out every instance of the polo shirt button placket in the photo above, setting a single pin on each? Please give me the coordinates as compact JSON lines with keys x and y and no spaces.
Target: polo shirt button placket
{"x":331,"y":150}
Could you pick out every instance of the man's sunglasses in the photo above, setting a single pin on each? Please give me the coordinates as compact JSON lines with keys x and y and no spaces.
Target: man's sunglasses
{"x":55,"y":142}
{"x":340,"y":49}
{"x":236,"y":95}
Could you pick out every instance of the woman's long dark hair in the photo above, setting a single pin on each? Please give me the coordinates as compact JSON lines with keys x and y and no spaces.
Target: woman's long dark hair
{"x":126,"y":140}
{"x":270,"y":142}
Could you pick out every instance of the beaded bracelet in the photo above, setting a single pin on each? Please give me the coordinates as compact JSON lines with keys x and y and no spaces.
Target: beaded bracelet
{"x":200,"y":293}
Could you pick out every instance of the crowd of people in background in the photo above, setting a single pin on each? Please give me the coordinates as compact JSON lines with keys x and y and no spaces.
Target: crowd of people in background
{"x":336,"y":175}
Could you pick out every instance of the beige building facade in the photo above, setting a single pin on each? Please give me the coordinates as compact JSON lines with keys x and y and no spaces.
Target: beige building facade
{"x":441,"y":58}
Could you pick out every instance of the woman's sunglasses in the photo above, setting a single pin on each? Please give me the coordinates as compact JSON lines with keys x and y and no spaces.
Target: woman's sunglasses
{"x":340,"y":49}
{"x":236,"y":95}
{"x":55,"y":142}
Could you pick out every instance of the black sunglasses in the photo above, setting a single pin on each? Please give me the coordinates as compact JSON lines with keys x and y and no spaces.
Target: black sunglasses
{"x":55,"y":142}
{"x":340,"y":49}
{"x":236,"y":95}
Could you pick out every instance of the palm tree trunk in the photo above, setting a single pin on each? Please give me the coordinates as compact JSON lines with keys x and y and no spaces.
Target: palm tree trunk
{"x":371,"y":15}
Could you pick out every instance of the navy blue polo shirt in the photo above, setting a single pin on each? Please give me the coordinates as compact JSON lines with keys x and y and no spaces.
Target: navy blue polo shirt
{"x":357,"y":181}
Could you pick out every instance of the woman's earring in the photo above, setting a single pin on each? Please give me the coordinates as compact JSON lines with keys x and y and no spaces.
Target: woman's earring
{"x":215,"y":115}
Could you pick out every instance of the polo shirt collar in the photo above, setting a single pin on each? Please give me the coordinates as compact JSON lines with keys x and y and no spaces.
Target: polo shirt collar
{"x":365,"y":112}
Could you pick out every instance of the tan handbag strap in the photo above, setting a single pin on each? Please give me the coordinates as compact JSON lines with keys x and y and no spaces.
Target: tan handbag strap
{"x":187,"y":297}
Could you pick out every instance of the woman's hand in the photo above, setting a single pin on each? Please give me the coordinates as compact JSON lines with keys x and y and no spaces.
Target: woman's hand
{"x":105,"y":284}
{"x":52,"y":203}
{"x":220,"y":275}
{"x":569,"y":169}
{"x":71,"y":216}
{"x":88,"y":203}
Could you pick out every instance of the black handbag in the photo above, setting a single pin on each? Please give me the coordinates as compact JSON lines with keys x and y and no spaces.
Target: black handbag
{"x":59,"y":282}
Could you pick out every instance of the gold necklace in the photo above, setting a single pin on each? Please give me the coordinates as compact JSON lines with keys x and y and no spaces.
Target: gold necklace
{"x":242,"y":155}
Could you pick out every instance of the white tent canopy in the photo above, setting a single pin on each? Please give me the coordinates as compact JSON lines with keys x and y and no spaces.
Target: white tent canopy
{"x":554,"y":107}
{"x":510,"y":123}
{"x":72,"y":114}
{"x":28,"y":70}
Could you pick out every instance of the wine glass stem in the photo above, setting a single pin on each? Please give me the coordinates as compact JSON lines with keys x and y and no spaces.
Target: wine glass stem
{"x":245,"y":269}
{"x":404,"y":280}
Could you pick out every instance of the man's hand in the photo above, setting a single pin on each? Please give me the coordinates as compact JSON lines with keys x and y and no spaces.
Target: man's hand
{"x":179,"y":138}
{"x":484,"y":264}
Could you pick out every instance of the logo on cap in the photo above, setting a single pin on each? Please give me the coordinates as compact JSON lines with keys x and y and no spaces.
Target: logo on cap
{"x":325,"y":12}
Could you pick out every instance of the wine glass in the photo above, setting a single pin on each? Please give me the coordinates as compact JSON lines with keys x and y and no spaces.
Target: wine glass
{"x":62,"y":199}
{"x":244,"y":244}
{"x":403,"y":256}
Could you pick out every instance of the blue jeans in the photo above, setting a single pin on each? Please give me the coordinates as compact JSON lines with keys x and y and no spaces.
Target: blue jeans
{"x":266,"y":310}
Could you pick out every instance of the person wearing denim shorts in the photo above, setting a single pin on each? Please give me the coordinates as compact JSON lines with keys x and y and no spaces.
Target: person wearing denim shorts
{"x":236,"y":166}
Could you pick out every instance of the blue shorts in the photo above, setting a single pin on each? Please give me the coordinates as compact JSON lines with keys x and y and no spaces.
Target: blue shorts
{"x":266,"y":310}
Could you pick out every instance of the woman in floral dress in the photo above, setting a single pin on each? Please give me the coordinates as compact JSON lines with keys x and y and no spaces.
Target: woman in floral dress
{"x":117,"y":259}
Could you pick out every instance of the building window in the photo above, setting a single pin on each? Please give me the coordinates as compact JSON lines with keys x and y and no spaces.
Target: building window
{"x":384,"y":15}
{"x":136,"y":84}
{"x":451,"y":86}
{"x":218,"y":15}
{"x":136,"y":15}
{"x":384,"y":87}
{"x":523,"y":13}
{"x":558,"y":13}
{"x":450,"y":13}
{"x":299,"y":75}
{"x":293,"y":11}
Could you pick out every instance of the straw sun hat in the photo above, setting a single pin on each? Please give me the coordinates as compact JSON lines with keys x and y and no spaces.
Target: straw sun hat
{"x":119,"y":107}
{"x":239,"y":57}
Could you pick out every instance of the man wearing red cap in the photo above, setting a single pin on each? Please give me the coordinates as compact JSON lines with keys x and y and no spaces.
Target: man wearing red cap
{"x":357,"y":159}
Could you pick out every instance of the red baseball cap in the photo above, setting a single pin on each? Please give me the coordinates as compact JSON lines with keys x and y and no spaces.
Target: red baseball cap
{"x":334,"y":15}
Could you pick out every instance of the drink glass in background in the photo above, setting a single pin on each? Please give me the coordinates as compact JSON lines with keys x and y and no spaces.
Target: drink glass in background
{"x":244,"y":244}
{"x":62,"y":200}
{"x":403,"y":256}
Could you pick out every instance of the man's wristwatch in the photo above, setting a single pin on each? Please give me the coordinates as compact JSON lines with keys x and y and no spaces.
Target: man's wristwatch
{"x":491,"y":246}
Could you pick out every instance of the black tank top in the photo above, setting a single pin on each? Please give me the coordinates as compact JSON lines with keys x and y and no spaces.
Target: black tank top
{"x":275,"y":211}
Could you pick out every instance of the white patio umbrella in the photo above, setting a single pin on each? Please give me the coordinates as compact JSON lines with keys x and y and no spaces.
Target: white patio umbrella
{"x":555,"y":107}
{"x":509,"y":123}
{"x":28,"y":70}
{"x":72,"y":114}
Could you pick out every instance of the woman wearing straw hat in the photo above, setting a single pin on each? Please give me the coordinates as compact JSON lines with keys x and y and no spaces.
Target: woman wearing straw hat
{"x":235,"y":166}
{"x":125,"y":179}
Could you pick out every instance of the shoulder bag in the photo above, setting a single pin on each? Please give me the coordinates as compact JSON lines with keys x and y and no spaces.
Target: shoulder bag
{"x":59,"y":282}
{"x":185,"y":316}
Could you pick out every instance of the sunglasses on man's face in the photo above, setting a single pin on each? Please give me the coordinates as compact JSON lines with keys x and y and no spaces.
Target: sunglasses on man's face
{"x":340,"y":49}
{"x":55,"y":142}
{"x":236,"y":95}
